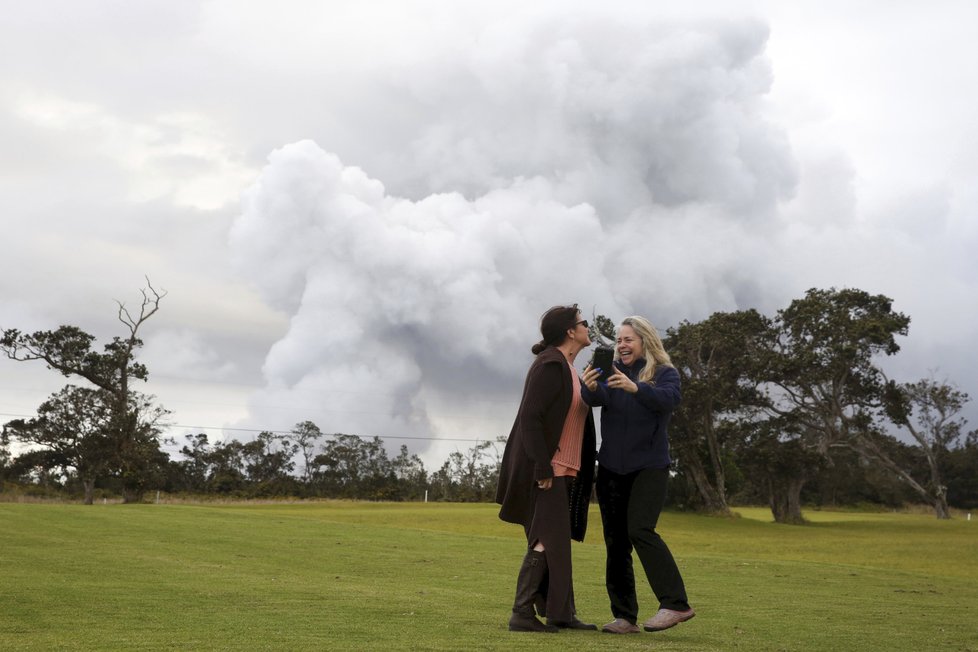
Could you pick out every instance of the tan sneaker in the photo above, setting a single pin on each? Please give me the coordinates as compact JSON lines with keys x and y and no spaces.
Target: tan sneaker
{"x":620,"y":626}
{"x":666,"y":618}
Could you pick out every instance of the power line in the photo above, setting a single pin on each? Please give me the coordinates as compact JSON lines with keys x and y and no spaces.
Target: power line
{"x":483,"y":403}
{"x":316,"y":390}
{"x":285,"y":431}
{"x":288,"y":431}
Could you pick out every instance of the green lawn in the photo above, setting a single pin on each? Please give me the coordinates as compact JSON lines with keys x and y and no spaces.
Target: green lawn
{"x":343,"y":576}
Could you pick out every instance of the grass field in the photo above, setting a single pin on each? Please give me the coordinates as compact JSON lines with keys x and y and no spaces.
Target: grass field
{"x":345,"y":576}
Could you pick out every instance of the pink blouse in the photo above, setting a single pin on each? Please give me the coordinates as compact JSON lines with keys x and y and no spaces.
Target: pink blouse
{"x":567,"y":459}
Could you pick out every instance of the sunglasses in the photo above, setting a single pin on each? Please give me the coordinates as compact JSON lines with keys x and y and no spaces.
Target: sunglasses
{"x":583,"y":321}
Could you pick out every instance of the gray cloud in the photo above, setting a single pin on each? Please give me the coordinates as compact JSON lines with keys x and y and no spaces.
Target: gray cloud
{"x":628,"y":166}
{"x":443,"y":172}
{"x":403,"y":302}
{"x":587,"y":163}
{"x":615,"y":113}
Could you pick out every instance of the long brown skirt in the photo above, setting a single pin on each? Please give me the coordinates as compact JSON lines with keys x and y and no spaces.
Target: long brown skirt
{"x":551,"y":526}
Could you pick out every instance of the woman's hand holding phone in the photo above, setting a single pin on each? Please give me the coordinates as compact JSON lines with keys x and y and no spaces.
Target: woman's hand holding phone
{"x":590,"y":377}
{"x":603,"y":361}
{"x":619,"y":380}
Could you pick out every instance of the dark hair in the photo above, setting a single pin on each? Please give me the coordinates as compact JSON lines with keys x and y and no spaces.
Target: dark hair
{"x":554,"y":326}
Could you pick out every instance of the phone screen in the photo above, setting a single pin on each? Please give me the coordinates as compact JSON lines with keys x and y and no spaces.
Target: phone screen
{"x":604,"y":360}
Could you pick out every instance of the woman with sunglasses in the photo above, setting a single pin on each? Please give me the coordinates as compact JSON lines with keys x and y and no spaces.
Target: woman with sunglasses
{"x":546,"y":474}
{"x":637,"y":402}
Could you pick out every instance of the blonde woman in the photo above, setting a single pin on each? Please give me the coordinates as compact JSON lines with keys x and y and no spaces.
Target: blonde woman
{"x":636,"y":402}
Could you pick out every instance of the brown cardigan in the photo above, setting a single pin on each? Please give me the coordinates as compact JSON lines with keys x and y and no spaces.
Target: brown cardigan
{"x":533,"y":442}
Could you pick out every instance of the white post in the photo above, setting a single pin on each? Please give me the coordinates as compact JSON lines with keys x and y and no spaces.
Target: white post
{"x":426,"y":500}
{"x":969,"y":516}
{"x":157,"y":497}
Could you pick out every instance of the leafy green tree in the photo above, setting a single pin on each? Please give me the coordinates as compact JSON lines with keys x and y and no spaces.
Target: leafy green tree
{"x":39,"y":467}
{"x":469,"y":476}
{"x":269,"y":465}
{"x":5,"y":456}
{"x":962,"y":473}
{"x":780,"y":461}
{"x":131,"y":427}
{"x":73,"y":427}
{"x":714,"y":358}
{"x":196,"y":464}
{"x":409,"y":473}
{"x":226,"y":467}
{"x":352,"y":467}
{"x":306,"y":435}
{"x":928,"y":410}
{"x":602,"y":330}
{"x":821,"y":379}
{"x":852,"y":479}
{"x":138,"y":460}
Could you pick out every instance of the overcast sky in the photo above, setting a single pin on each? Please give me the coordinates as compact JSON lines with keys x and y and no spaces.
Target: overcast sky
{"x":360,"y":209}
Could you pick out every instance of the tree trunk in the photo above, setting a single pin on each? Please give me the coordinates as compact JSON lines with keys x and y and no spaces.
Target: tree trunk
{"x":132,"y":495}
{"x":713,"y":501}
{"x":940,"y":490}
{"x":785,"y":499}
{"x":715,"y":460}
{"x":89,"y":485}
{"x":940,"y":503}
{"x":937,"y":498}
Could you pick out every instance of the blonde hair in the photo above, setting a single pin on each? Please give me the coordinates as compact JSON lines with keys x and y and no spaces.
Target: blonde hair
{"x":652,"y":349}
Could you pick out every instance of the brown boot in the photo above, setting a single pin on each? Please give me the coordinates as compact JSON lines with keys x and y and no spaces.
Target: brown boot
{"x":540,"y":598}
{"x":531,"y":573}
{"x":574,"y":623}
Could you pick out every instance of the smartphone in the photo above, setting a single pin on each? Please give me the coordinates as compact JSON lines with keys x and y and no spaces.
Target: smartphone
{"x":603,"y":359}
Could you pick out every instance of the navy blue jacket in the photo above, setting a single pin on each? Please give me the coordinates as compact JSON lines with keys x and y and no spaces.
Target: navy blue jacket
{"x":635,"y":427}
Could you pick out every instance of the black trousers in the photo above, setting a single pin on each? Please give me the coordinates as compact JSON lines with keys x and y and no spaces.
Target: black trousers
{"x":551,"y":526}
{"x":630,"y":506}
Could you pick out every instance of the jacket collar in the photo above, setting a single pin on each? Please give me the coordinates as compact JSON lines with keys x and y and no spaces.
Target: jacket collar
{"x":635,"y":369}
{"x":552,"y":354}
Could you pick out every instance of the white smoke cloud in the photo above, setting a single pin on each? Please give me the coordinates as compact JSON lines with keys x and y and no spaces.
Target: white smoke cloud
{"x":625,"y":167}
{"x":616,"y":113}
{"x":629,"y":166}
{"x":396,"y":302}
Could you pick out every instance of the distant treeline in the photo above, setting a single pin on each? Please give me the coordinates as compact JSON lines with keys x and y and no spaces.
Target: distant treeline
{"x":351,"y":467}
{"x":304,"y":463}
{"x":786,"y":410}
